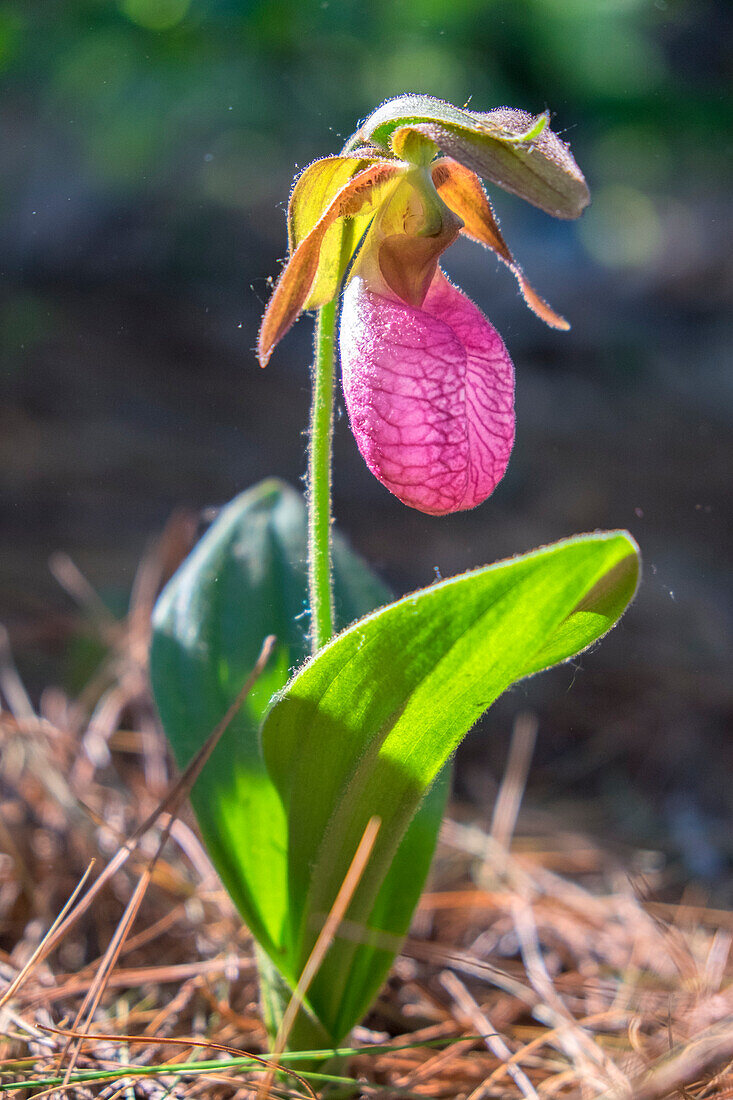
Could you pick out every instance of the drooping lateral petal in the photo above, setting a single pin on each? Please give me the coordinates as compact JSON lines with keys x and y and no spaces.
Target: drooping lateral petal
{"x":293,"y":287}
{"x":430,"y":395}
{"x":510,"y":147}
{"x":312,"y":194}
{"x":462,"y":191}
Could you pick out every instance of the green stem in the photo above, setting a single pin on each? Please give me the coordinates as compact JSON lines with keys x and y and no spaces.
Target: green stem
{"x":319,"y":480}
{"x":275,"y":994}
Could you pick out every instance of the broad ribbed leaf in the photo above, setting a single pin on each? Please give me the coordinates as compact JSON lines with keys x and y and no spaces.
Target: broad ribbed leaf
{"x":366,"y":726}
{"x":244,"y":580}
{"x":510,"y":147}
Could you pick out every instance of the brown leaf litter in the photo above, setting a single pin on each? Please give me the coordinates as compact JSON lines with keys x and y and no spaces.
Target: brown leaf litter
{"x":536,"y":966}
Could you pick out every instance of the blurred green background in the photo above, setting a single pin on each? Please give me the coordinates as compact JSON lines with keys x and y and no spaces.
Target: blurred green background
{"x":148,"y":147}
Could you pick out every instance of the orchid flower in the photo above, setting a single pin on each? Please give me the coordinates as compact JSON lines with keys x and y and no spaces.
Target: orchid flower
{"x":322,"y":804}
{"x":428,"y":382}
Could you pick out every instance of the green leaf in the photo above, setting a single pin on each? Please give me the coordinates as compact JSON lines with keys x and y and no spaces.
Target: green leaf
{"x":381,"y":937}
{"x":244,"y":580}
{"x":510,"y":147}
{"x":367,"y":725}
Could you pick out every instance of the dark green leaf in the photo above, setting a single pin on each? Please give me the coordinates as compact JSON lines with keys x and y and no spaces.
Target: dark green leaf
{"x":244,"y":580}
{"x":247,"y":579}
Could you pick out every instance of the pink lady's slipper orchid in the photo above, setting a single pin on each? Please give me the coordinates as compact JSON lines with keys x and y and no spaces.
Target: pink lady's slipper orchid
{"x":429,"y":385}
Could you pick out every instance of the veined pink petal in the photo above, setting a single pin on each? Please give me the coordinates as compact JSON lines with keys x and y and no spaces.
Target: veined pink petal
{"x":430,"y":395}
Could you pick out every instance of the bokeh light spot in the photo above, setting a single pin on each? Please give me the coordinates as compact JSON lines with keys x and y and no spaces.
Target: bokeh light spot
{"x":155,"y":15}
{"x":431,"y":68}
{"x":10,"y":32}
{"x":634,"y":154}
{"x":622,"y":228}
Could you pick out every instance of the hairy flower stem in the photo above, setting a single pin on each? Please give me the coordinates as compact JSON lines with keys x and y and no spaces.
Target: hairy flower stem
{"x":319,"y":480}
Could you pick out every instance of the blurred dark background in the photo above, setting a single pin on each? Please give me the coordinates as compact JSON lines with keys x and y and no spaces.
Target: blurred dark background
{"x":148,"y":147}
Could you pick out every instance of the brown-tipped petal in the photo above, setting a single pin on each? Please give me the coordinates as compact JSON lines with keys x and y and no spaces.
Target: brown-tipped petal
{"x":289,"y":295}
{"x":463,"y":192}
{"x":538,"y":305}
{"x":292,"y":289}
{"x":311,"y":196}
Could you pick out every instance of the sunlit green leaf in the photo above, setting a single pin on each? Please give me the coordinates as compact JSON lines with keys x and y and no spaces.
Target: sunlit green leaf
{"x":366,"y":726}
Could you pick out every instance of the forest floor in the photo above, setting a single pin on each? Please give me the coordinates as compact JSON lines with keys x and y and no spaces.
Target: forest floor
{"x":539,"y":964}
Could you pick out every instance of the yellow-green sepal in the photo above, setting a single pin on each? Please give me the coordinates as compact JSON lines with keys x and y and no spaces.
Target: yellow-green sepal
{"x":512,"y":148}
